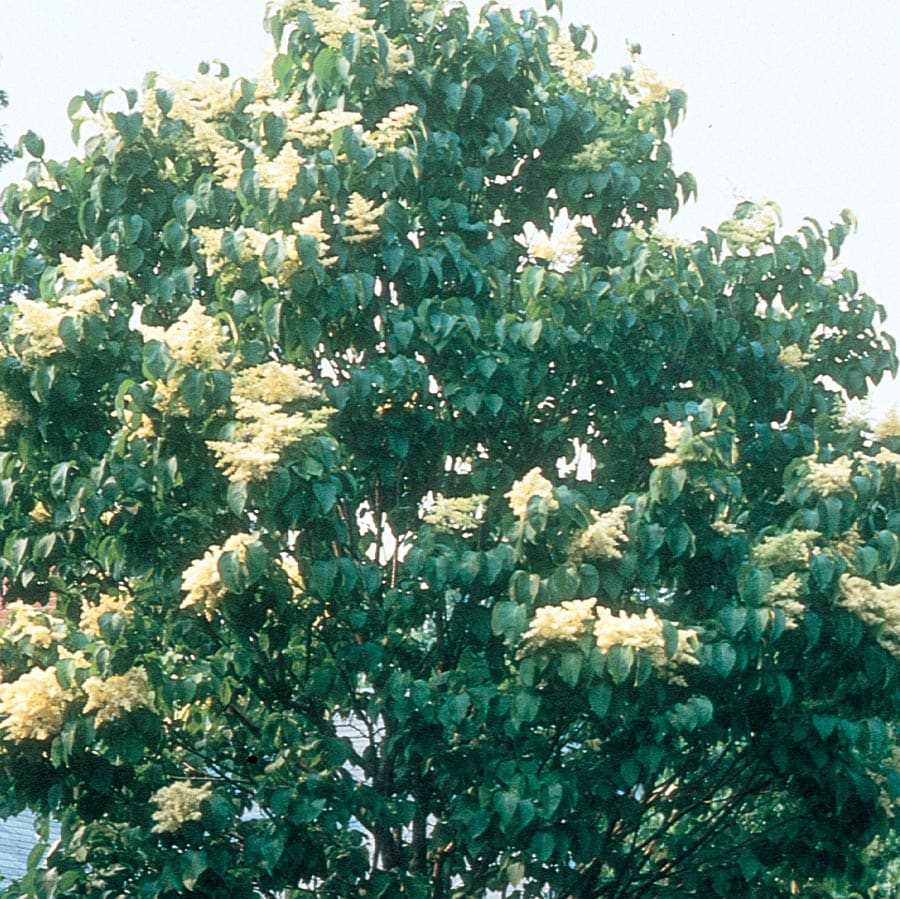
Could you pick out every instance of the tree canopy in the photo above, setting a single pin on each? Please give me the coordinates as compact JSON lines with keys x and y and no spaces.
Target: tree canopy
{"x":391,"y":508}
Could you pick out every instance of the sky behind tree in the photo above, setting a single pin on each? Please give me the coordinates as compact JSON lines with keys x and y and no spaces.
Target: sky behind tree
{"x":790,"y":102}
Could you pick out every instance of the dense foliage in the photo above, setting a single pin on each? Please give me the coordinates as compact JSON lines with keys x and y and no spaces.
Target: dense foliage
{"x":392,"y":509}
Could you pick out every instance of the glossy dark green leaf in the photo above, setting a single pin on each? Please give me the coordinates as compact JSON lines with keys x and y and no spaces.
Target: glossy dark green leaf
{"x":619,"y":662}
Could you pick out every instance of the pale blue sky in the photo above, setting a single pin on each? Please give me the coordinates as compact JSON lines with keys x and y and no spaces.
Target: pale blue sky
{"x":793,"y":100}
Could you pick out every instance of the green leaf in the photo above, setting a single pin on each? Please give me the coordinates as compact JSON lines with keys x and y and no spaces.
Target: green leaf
{"x":506,"y":805}
{"x":543,"y":845}
{"x":570,"y":665}
{"x":324,"y":65}
{"x":59,"y":478}
{"x":174,"y":236}
{"x":619,"y":662}
{"x":404,"y":331}
{"x":563,"y":584}
{"x":191,"y":864}
{"x":526,"y":705}
{"x":185,"y":207}
{"x":44,"y":546}
{"x":722,"y":658}
{"x":157,"y":362}
{"x":32,"y":144}
{"x":183,"y":277}
{"x":326,"y":492}
{"x":680,"y":540}
{"x":310,"y":333}
{"x":192,"y":389}
{"x":531,"y":332}
{"x":824,"y":725}
{"x":233,"y":572}
{"x":237,"y":497}
{"x":866,"y":560}
{"x":823,"y":569}
{"x":274,"y":255}
{"x":599,"y":698}
{"x":695,"y":713}
{"x":508,"y":619}
{"x":129,"y":125}
{"x":785,"y":689}
{"x":666,"y":483}
{"x":274,"y":130}
{"x":531,"y":282}
{"x":754,"y":584}
{"x":524,"y":587}
{"x":733,"y":619}
{"x":630,"y":772}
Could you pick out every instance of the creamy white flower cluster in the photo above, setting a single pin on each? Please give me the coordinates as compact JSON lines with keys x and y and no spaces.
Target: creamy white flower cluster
{"x":348,"y":17}
{"x":561,"y":248}
{"x":726,"y":528}
{"x":886,"y":457}
{"x":572,"y":619}
{"x":277,"y":383}
{"x":836,"y":476}
{"x":785,"y":595}
{"x":829,"y":477}
{"x":593,"y":157}
{"x":197,"y":101}
{"x":533,"y":484}
{"x":792,"y":356}
{"x":361,"y":219}
{"x":200,"y":103}
{"x":888,"y":426}
{"x":252,"y":243}
{"x":35,"y":705}
{"x":644,"y":633}
{"x":263,"y":429}
{"x":847,"y":543}
{"x":876,"y":605}
{"x":178,"y":803}
{"x":262,"y":432}
{"x":314,"y":130}
{"x":563,"y":623}
{"x":112,"y":696}
{"x":291,"y":569}
{"x":393,"y":129}
{"x":12,"y":412}
{"x":456,"y":513}
{"x":785,"y":551}
{"x":39,"y":626}
{"x":281,"y":171}
{"x":745,"y":232}
{"x":332,"y":23}
{"x":601,"y":541}
{"x":647,"y":86}
{"x":682,"y":445}
{"x":193,"y":339}
{"x":83,"y":283}
{"x":107,"y":603}
{"x":201,"y":582}
{"x":576,"y":66}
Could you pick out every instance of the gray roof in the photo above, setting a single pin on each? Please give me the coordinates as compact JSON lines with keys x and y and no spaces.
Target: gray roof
{"x":17,"y":839}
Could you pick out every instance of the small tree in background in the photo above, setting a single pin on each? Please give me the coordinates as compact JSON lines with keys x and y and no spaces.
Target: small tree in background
{"x":6,"y":234}
{"x":421,"y":520}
